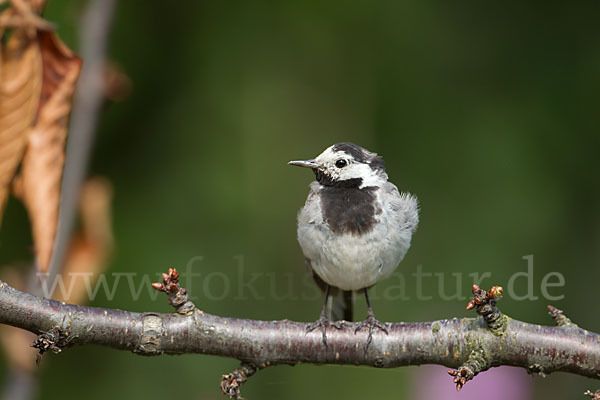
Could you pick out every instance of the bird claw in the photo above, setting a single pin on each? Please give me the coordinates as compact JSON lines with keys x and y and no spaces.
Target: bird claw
{"x":372,"y":323}
{"x":322,"y":323}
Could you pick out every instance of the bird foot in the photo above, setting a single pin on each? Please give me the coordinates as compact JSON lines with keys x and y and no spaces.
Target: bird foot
{"x":372,"y":323}
{"x":323,"y":322}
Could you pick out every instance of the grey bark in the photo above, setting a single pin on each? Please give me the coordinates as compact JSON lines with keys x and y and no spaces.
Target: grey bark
{"x":452,"y":342}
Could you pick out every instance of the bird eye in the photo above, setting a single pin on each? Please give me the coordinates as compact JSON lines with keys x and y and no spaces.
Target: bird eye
{"x":341,"y":163}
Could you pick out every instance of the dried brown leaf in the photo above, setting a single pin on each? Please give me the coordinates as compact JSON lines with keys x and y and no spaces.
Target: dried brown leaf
{"x":21,"y":74}
{"x":90,"y":248}
{"x":29,"y":6}
{"x":44,"y":158}
{"x":24,"y":14}
{"x":20,"y":89}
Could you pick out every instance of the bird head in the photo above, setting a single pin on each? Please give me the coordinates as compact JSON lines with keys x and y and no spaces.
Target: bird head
{"x":346,"y":165}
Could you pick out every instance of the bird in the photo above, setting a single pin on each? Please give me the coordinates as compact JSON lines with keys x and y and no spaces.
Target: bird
{"x":354,"y":230}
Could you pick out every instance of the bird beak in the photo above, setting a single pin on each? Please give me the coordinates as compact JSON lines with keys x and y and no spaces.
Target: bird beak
{"x":306,"y":164}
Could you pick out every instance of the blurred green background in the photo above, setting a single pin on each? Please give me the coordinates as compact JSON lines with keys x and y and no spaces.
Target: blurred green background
{"x":488,"y":112}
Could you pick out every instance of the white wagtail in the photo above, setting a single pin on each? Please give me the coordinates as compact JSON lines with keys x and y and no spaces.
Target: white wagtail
{"x":354,"y":229}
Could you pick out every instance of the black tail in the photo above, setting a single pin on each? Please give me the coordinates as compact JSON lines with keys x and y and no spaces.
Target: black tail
{"x":342,"y":306}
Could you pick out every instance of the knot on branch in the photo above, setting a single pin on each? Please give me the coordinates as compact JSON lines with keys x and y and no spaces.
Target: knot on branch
{"x":152,"y":331}
{"x":231,"y":383}
{"x":595,"y":395}
{"x":178,"y":296}
{"x":484,"y":303}
{"x":476,"y":363}
{"x":54,"y":340}
{"x":559,"y":317}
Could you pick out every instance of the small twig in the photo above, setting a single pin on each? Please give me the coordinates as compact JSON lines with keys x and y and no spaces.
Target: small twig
{"x":484,"y":303}
{"x":559,"y":317}
{"x":595,"y":395}
{"x":178,"y":296}
{"x":87,"y":104}
{"x":232,"y":382}
{"x":54,"y":340}
{"x":476,"y":363}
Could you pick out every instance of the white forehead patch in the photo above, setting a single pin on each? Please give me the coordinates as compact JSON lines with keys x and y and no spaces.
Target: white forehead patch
{"x":329,"y":155}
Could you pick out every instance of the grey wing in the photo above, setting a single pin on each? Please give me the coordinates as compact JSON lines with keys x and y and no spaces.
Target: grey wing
{"x":403,"y":207}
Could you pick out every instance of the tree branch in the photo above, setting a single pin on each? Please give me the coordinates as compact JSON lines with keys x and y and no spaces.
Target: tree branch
{"x":468,"y":344}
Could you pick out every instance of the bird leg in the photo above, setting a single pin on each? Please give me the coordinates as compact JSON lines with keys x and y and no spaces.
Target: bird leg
{"x":371,"y":322}
{"x":323,"y":321}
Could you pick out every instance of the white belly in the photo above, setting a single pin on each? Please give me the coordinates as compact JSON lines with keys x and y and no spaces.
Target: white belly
{"x":353,"y":262}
